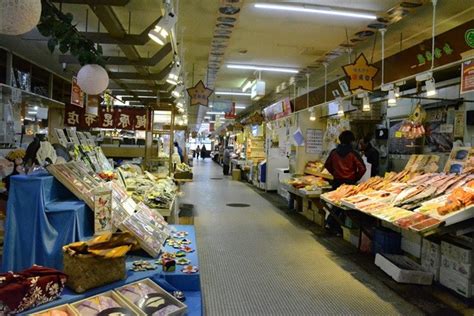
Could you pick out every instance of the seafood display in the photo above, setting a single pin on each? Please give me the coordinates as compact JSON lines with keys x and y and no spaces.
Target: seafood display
{"x":411,"y":199}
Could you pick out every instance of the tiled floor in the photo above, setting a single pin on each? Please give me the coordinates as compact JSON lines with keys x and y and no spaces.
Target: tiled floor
{"x":254,"y":261}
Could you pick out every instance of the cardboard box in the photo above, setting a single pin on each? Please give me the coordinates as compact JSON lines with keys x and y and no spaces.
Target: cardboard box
{"x":411,"y":243}
{"x":456,"y":282}
{"x":64,"y":308}
{"x":403,"y":269}
{"x":308,"y":212}
{"x":457,"y":251}
{"x":460,"y":268}
{"x":431,"y":257}
{"x":182,"y":308}
{"x":346,"y":233}
{"x":115,"y":297}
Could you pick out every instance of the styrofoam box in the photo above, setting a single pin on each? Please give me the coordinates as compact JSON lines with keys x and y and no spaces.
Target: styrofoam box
{"x":431,"y":257}
{"x":411,"y":243}
{"x":64,"y":308}
{"x":182,"y":308}
{"x":403,"y":269}
{"x":456,"y":282}
{"x":115,"y":297}
{"x":354,"y":238}
{"x":456,"y":251}
{"x":460,"y":268}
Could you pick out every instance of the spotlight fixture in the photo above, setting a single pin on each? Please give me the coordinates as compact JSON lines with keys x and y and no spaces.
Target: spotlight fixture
{"x":316,"y":9}
{"x":366,"y":104}
{"x":161,"y":31}
{"x":312,"y":114}
{"x":430,"y":87}
{"x":392,"y":100}
{"x":173,"y":76}
{"x":176,"y":93}
{"x":263,"y":68}
{"x":340,"y":113}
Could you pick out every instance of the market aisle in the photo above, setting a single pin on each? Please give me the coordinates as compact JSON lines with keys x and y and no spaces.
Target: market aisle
{"x":254,"y":261}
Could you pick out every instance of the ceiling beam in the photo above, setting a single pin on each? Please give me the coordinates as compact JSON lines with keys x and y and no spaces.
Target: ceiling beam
{"x":139,"y":76}
{"x":116,"y":3}
{"x":164,"y":98}
{"x":139,"y":86}
{"x":114,"y":60}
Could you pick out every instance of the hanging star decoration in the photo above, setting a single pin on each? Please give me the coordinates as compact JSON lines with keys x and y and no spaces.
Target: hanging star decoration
{"x":361,"y":74}
{"x":199,"y":94}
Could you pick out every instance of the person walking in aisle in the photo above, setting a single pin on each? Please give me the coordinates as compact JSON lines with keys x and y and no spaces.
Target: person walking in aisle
{"x":198,"y":151}
{"x":203,"y":152}
{"x":226,"y":161}
{"x":347,"y":167}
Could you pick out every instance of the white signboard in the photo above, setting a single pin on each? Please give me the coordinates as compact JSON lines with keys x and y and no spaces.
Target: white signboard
{"x":314,"y":141}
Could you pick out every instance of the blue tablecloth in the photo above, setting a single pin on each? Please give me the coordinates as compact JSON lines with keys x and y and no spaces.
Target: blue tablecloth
{"x":42,"y":216}
{"x":188,"y":283}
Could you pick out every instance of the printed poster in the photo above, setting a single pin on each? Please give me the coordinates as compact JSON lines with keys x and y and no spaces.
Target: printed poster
{"x":77,"y":96}
{"x":102,"y":211}
{"x":467,"y":76}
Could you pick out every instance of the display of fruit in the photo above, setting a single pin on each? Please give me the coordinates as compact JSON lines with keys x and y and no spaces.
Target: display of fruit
{"x":107,"y":175}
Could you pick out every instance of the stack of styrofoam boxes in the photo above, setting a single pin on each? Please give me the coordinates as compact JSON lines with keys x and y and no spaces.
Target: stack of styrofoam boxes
{"x":411,"y":243}
{"x":431,"y":257}
{"x":455,"y":272}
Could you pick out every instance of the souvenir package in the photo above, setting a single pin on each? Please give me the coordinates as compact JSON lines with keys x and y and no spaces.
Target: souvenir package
{"x":108,"y":303}
{"x":102,"y":211}
{"x":460,"y":160}
{"x":62,"y":310}
{"x":98,"y":261}
{"x":29,"y":288}
{"x":150,"y":230}
{"x":151,"y":299}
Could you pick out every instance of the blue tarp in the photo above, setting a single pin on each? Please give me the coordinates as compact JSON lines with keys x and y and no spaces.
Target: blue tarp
{"x":42,"y":216}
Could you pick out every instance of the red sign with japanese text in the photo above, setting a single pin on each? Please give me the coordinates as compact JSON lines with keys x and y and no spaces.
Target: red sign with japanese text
{"x":467,"y":76}
{"x":127,"y":118}
{"x":77,"y":96}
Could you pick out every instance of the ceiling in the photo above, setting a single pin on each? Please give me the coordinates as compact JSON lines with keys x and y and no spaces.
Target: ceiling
{"x":208,"y":38}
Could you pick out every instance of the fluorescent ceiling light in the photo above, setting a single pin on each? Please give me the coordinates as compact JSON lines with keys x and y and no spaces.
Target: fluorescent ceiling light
{"x":207,"y":117}
{"x":316,"y":9}
{"x":232,"y":93}
{"x":263,"y":68}
{"x":32,"y":112}
{"x":215,"y":113}
{"x":240,"y":107}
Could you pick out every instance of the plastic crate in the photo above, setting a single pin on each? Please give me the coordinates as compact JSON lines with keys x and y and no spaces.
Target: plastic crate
{"x":386,"y":241}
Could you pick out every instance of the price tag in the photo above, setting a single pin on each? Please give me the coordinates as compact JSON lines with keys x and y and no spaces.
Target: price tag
{"x":398,"y":134}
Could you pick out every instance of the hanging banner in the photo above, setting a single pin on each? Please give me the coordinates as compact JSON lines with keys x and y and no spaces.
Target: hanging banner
{"x":126,"y":118}
{"x":467,"y":76}
{"x":361,"y":74}
{"x":459,"y":123}
{"x":278,"y":110}
{"x":199,"y":94}
{"x":77,"y":96}
{"x":231,"y":114}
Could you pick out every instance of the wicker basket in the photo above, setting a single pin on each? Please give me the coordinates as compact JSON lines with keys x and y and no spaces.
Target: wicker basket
{"x":88,"y":271}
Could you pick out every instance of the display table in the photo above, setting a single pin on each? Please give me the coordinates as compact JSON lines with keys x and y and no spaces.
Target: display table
{"x":189,"y":283}
{"x":42,"y":216}
{"x":300,"y":196}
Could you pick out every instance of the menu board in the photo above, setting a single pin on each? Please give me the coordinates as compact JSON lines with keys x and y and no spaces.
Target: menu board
{"x":314,"y":141}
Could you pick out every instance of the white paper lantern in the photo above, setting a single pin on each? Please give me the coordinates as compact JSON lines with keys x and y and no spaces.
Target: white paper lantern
{"x":19,"y":16}
{"x":93,"y":79}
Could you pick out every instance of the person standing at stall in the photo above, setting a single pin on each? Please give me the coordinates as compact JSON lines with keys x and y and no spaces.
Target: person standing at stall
{"x":347,"y":167}
{"x":371,"y":154}
{"x":226,"y":161}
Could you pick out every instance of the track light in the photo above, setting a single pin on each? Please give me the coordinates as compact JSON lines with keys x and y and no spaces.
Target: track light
{"x":232,"y":93}
{"x":366,"y":104}
{"x":247,"y":85}
{"x":392,"y":100}
{"x":312,"y":114}
{"x":176,"y":93}
{"x":161,"y":31}
{"x":340,"y":113}
{"x":173,"y":76}
{"x":430,"y":87}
